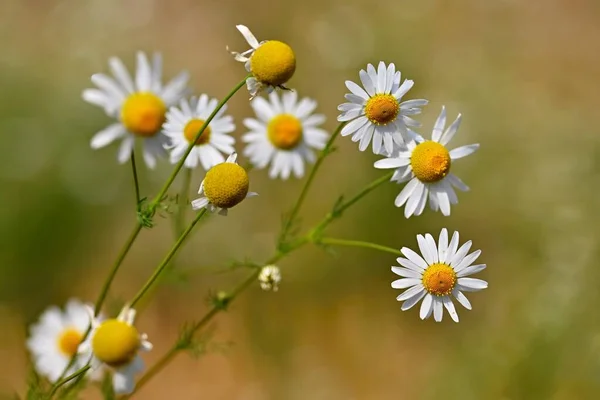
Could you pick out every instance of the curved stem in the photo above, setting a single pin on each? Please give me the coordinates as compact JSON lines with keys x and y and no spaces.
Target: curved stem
{"x":166,"y":260}
{"x":69,"y":378}
{"x":159,"y":197}
{"x":310,"y":236}
{"x":135,"y":181}
{"x":324,"y":153}
{"x":358,"y":243}
{"x":182,"y":201}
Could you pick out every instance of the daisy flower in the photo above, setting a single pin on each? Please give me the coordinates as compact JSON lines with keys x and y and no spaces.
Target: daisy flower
{"x":55,"y":339}
{"x":439,"y":272}
{"x":139,"y":107}
{"x":183,"y":124}
{"x":377,"y":112}
{"x":224,"y":186}
{"x":284,"y":134}
{"x":271,"y":62}
{"x":425,"y":165}
{"x":116,"y":344}
{"x":269,"y":278}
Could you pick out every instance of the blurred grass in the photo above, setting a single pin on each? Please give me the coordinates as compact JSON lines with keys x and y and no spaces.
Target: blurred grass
{"x":524,"y":76}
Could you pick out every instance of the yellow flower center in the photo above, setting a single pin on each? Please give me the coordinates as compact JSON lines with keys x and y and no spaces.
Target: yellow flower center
{"x":439,"y":279}
{"x":285,"y":131}
{"x":191,"y":130}
{"x":430,"y":161}
{"x":69,"y":340}
{"x":382,"y":109}
{"x":115,"y":342}
{"x":143,"y":114}
{"x":273,"y":63}
{"x":226,"y":185}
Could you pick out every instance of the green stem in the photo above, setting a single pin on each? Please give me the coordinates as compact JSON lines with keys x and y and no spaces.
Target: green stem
{"x":69,"y":378}
{"x":182,"y":202}
{"x":324,"y":153}
{"x":339,"y":209}
{"x":310,"y":236}
{"x":159,"y":197}
{"x":358,"y":243}
{"x":167,"y":258}
{"x":135,"y":181}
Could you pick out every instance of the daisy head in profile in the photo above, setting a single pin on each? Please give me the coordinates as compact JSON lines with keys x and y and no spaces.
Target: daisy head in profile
{"x":441,"y":272}
{"x":425,"y":165}
{"x":376,"y":113}
{"x":116,"y":344}
{"x":284,"y":134}
{"x":270,"y":62}
{"x":56,"y":338}
{"x":224,"y":186}
{"x":182,"y":127}
{"x":137,"y":106}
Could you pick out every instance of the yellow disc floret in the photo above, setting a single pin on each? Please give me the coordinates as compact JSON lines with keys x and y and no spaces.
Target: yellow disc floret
{"x":143,"y":114}
{"x":68,"y":341}
{"x":273,"y":63}
{"x":285,"y":131}
{"x":191,"y":130}
{"x":115,"y":342}
{"x":226,"y":185}
{"x":439,"y":279}
{"x":382,"y":109}
{"x":430,"y":161}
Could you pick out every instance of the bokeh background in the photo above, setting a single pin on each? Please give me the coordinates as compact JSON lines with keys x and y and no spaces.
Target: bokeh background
{"x":525,"y":76}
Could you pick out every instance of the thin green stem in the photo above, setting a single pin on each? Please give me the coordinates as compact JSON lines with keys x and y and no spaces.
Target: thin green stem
{"x":67,"y":379}
{"x":358,"y":243}
{"x":339,"y":209}
{"x":310,"y":236}
{"x":135,"y":181}
{"x":159,"y":197}
{"x":113,"y":272}
{"x":167,"y":258}
{"x":296,"y":209}
{"x":182,"y":202}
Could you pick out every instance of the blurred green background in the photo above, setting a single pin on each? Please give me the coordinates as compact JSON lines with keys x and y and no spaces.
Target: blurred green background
{"x":524,"y":74}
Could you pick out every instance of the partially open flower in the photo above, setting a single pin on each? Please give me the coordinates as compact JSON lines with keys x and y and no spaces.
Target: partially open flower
{"x":116,"y":343}
{"x":271,"y":62}
{"x":224,"y":186}
{"x":269,"y":278}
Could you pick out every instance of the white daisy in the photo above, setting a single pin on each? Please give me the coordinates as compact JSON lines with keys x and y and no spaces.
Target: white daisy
{"x":271,"y":62}
{"x":426,"y":165}
{"x":269,"y":278}
{"x":116,"y":344}
{"x":224,"y":186}
{"x":55,"y":339}
{"x":376,"y":112}
{"x":139,"y":107}
{"x":284,"y":134}
{"x":183,"y":124}
{"x":441,"y":271}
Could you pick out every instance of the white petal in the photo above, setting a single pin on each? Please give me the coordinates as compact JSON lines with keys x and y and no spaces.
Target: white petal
{"x":426,"y":306}
{"x":409,"y":303}
{"x":199,"y":203}
{"x":410,"y":265}
{"x":381,"y":77}
{"x":366,"y":138}
{"x":107,"y":135}
{"x":405,"y":283}
{"x":425,"y":250}
{"x":438,"y":309}
{"x":175,"y":89}
{"x":411,"y":292}
{"x":456,"y":182}
{"x":120,"y":72}
{"x":472,"y":283}
{"x":406,"y":192}
{"x":406,"y":273}
{"x":143,"y":75}
{"x":438,"y":128}
{"x":432,"y":247}
{"x":450,"y":307}
{"x":462,"y":299}
{"x":367,"y":82}
{"x":460,"y":254}
{"x":452,"y":247}
{"x":468,"y":260}
{"x":405,"y":87}
{"x":451,"y":131}
{"x":125,"y":149}
{"x":414,"y":257}
{"x":357,"y":90}
{"x":248,"y":36}
{"x":414,"y":200}
{"x":473,"y":269}
{"x":387,"y":163}
{"x":463,"y":151}
{"x":443,"y":245}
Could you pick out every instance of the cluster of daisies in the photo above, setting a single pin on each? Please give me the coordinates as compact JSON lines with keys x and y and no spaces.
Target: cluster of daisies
{"x":283,"y":136}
